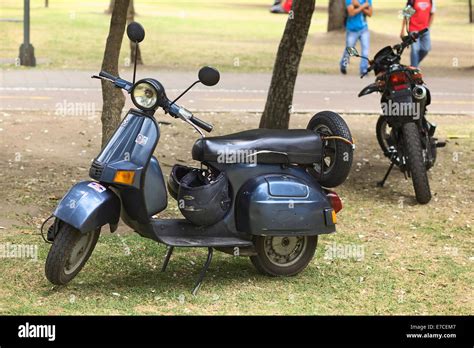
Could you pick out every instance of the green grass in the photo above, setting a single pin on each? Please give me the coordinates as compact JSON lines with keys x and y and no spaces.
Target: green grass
{"x":188,"y":34}
{"x":116,"y":283}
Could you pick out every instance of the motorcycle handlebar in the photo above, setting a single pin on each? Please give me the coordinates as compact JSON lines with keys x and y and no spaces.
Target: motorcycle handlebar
{"x":411,"y":38}
{"x":421,"y":32}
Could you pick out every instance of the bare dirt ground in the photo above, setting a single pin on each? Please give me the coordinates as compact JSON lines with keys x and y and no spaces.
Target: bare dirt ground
{"x":427,"y":248}
{"x":44,"y":154}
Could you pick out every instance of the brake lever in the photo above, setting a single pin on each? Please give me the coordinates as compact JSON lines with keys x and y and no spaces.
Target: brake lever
{"x":183,"y":115}
{"x":185,"y":119}
{"x":118,"y":83}
{"x":101,"y":78}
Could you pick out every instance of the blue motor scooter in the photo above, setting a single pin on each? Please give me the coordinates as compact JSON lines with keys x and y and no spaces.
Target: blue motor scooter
{"x":257,"y":193}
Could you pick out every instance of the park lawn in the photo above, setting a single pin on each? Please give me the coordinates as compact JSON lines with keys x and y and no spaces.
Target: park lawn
{"x":416,"y":259}
{"x":239,"y":35}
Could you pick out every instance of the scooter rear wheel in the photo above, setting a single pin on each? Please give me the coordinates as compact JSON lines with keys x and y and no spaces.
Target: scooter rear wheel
{"x":283,"y":256}
{"x":70,"y":251}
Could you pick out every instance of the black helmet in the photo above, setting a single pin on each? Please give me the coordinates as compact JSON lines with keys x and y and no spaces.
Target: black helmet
{"x":203,"y":196}
{"x":177,"y":173}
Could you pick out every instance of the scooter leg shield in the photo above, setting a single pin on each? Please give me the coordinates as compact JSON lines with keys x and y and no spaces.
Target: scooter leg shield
{"x":89,"y":205}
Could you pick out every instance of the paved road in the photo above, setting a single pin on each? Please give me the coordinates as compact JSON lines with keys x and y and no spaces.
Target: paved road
{"x":50,"y":90}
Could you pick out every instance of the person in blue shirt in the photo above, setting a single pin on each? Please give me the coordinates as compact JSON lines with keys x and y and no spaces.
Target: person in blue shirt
{"x":357,"y":29}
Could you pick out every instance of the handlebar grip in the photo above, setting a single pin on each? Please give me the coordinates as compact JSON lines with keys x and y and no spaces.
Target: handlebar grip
{"x":107,"y":75}
{"x":202,"y":124}
{"x":421,"y":32}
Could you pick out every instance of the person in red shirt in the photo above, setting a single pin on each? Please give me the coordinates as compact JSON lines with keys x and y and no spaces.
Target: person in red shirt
{"x":423,"y":18}
{"x":281,"y":6}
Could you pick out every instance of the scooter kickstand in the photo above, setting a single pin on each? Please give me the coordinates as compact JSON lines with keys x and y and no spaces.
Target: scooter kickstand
{"x":169,"y":251}
{"x":381,"y":183}
{"x":197,"y":286}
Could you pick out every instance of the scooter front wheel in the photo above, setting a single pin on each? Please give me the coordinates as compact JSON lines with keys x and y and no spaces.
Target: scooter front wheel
{"x":70,"y":251}
{"x":283,"y":255}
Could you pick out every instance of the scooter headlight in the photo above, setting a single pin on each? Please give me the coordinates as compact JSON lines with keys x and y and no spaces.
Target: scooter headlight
{"x":145,"y":95}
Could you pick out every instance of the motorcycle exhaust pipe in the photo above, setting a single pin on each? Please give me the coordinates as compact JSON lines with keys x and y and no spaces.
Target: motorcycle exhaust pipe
{"x":419,"y":92}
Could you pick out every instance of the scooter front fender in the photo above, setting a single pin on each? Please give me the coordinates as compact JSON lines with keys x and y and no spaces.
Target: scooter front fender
{"x":89,"y":205}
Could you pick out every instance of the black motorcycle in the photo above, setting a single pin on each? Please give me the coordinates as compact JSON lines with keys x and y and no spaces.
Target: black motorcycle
{"x":403,"y":132}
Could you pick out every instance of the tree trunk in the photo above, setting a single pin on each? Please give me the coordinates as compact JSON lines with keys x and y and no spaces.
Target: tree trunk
{"x":470,"y":11}
{"x":336,"y":15}
{"x":131,"y":18}
{"x":111,"y":7}
{"x":113,"y":98}
{"x":280,"y":95}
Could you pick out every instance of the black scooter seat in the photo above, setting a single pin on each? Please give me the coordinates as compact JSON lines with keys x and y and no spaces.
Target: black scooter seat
{"x":296,"y":146}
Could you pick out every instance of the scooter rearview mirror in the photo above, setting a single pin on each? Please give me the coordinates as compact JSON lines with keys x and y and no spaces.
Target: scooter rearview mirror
{"x":135,"y":32}
{"x":209,"y":76}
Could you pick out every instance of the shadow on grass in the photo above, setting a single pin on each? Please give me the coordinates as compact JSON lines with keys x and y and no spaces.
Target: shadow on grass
{"x":180,"y":276}
{"x":364,"y":184}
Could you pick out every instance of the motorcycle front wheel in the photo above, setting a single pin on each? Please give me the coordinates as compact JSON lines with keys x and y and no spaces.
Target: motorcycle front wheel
{"x":283,"y":256}
{"x":416,"y":162}
{"x":70,"y":251}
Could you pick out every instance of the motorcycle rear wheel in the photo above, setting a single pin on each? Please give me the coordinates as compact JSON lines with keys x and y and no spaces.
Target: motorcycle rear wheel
{"x":383,"y":135}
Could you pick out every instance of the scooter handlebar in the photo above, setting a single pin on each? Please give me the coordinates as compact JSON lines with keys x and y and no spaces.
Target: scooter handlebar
{"x":108,"y":76}
{"x":180,"y":112}
{"x":117,"y":81}
{"x":201,"y":124}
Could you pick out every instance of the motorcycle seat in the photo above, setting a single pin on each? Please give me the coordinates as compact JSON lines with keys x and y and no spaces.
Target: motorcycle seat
{"x":294,"y":146}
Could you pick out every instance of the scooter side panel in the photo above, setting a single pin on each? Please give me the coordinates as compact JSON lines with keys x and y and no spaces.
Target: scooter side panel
{"x":156,"y":196}
{"x":140,"y":205}
{"x":88,"y":205}
{"x":278,"y":204}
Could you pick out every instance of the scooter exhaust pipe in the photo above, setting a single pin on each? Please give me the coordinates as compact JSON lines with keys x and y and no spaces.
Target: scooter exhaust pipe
{"x":419,"y":92}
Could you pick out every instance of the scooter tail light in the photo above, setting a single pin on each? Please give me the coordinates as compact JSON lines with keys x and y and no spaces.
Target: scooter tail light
{"x":335,"y":201}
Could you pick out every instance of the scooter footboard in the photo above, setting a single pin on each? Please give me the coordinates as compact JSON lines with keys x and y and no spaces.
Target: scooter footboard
{"x":89,"y":205}
{"x":283,"y":205}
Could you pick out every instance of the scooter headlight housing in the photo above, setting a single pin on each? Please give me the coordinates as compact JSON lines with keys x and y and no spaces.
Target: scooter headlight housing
{"x":147,"y":94}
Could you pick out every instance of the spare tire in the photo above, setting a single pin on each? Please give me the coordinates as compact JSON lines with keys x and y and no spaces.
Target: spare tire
{"x":337,"y":157}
